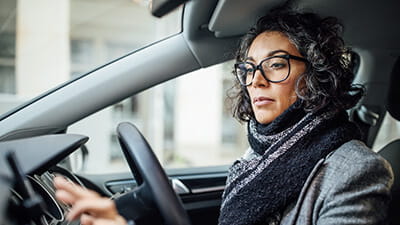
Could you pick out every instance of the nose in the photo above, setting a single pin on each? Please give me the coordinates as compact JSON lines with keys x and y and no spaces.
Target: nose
{"x":259,"y":80}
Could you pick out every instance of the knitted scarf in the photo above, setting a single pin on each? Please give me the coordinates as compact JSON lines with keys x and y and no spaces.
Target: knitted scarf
{"x":259,"y":189}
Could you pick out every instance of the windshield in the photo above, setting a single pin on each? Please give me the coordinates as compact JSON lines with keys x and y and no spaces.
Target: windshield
{"x":45,"y":43}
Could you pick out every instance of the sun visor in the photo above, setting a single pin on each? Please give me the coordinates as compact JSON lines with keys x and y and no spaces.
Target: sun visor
{"x":233,"y":18}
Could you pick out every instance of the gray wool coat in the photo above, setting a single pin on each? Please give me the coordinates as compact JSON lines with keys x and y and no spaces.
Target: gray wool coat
{"x":349,"y":186}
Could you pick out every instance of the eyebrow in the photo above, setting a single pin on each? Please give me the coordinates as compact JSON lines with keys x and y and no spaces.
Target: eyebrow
{"x":269,"y":54}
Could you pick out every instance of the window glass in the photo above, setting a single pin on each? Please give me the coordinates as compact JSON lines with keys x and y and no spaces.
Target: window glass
{"x":45,"y":43}
{"x":186,"y":121}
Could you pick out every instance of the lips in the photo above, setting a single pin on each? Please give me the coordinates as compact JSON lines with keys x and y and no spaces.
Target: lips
{"x":261,"y":100}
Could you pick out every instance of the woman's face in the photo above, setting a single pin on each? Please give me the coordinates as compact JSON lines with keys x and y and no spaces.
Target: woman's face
{"x":268,"y":99}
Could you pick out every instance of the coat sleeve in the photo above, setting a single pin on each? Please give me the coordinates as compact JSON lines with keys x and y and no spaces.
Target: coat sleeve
{"x":358,"y":193}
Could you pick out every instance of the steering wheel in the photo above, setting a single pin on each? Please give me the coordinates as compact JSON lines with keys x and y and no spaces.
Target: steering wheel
{"x":154,"y":194}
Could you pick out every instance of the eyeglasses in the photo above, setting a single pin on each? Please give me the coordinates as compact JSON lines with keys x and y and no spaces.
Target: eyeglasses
{"x":274,"y":69}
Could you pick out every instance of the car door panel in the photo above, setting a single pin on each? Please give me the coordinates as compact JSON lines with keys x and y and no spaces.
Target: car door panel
{"x":200,"y":189}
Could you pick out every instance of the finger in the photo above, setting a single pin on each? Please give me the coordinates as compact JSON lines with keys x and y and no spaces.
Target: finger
{"x":117,"y":221}
{"x":64,"y":184}
{"x":61,"y":183}
{"x":63,"y":192}
{"x":87,"y":219}
{"x":99,"y":207}
{"x":73,"y":189}
{"x":65,"y":197}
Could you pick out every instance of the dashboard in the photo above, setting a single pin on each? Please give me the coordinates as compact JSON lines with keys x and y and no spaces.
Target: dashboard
{"x":41,"y":159}
{"x":30,"y":196}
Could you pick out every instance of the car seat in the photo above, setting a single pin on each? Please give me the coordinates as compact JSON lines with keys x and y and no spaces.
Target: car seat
{"x":391,"y":152}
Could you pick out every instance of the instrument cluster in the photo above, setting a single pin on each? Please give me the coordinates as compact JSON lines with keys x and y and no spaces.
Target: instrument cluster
{"x":53,"y":212}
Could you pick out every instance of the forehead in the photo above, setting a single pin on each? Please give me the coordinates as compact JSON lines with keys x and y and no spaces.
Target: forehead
{"x":266,"y":43}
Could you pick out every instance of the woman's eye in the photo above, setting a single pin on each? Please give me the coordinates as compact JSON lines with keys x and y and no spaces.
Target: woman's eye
{"x":249,"y":70}
{"x":246,"y":70}
{"x":276,"y":66}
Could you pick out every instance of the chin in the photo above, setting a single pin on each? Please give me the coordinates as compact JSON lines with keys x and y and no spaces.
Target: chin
{"x":264,"y":116}
{"x":263,"y":119}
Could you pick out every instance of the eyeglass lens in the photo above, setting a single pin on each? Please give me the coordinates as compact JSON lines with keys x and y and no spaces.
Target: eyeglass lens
{"x":274,"y":69}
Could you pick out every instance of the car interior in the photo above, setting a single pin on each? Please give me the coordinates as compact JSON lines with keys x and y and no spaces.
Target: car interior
{"x":36,"y":141}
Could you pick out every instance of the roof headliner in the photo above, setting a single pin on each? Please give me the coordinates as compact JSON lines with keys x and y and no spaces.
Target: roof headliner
{"x":377,"y":22}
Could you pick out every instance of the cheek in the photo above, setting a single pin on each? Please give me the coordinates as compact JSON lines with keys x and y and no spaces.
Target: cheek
{"x":287,"y":94}
{"x":285,"y":101}
{"x":250,"y":94}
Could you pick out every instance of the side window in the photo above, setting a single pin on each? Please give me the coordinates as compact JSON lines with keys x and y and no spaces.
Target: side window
{"x":63,"y":39}
{"x":186,"y":121}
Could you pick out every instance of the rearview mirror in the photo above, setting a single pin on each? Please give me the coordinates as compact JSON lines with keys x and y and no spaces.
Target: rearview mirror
{"x":160,"y":8}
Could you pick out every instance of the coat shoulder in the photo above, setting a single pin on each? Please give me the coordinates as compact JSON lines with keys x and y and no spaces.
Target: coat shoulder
{"x":355,"y":157}
{"x":351,"y":184}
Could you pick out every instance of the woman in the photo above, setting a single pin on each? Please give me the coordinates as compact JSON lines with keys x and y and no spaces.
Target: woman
{"x":305,"y":164}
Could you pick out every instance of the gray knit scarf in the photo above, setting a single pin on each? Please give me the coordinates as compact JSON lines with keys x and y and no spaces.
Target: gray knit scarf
{"x":259,"y":189}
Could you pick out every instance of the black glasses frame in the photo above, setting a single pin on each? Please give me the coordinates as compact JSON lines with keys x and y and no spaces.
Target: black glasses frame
{"x":259,"y":67}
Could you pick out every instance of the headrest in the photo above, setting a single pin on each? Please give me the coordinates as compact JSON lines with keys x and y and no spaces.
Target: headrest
{"x":393,"y":100}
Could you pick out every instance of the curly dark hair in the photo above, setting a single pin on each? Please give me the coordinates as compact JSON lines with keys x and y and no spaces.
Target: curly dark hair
{"x":327,"y":81}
